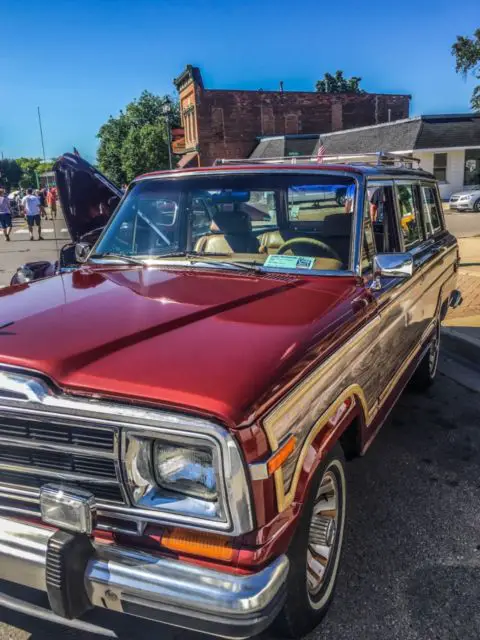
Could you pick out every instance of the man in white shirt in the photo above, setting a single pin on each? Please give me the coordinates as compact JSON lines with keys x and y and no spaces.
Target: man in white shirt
{"x":31,"y":207}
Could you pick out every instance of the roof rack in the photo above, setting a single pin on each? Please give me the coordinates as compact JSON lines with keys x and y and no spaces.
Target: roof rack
{"x":377,"y":159}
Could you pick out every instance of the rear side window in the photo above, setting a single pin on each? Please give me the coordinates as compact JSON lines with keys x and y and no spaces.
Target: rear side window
{"x":409,"y":211}
{"x":431,"y":208}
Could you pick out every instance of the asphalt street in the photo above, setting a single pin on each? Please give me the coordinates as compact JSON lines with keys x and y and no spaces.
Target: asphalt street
{"x":20,"y":250}
{"x":411,"y":564}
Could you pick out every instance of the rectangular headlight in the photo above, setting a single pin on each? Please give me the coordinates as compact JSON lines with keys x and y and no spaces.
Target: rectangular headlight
{"x":192,"y":476}
{"x":185,"y":470}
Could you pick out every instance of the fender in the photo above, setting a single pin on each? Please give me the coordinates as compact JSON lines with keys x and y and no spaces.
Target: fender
{"x":326,"y":431}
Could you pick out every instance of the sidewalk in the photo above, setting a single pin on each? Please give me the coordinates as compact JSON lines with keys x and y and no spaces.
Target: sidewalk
{"x":461,"y":327}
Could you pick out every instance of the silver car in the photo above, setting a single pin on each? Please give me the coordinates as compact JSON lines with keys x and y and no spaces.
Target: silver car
{"x":466,"y":200}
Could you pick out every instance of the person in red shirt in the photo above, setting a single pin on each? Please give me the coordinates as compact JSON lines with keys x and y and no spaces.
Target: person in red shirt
{"x":52,"y":202}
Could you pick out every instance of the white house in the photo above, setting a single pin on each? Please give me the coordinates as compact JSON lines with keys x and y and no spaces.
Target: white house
{"x":447,"y":145}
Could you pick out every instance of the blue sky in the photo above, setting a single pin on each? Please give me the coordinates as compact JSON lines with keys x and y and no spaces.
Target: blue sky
{"x":82,"y":60}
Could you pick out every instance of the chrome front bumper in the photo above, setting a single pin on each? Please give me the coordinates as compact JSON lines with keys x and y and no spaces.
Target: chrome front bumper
{"x":163,"y":589}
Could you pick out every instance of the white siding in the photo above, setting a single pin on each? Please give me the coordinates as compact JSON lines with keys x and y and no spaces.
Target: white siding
{"x":455,"y":165}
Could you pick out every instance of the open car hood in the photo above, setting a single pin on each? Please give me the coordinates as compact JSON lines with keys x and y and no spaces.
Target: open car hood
{"x":87,"y":197}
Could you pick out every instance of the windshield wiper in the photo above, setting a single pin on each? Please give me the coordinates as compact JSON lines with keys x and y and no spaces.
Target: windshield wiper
{"x":190,"y":254}
{"x":195,"y":257}
{"x":119,"y":256}
{"x":237,"y":265}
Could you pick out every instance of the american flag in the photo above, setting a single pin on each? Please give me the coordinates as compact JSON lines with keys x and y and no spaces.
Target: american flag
{"x":320,"y":153}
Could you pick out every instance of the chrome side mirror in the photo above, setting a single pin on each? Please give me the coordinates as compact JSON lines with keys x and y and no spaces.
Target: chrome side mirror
{"x":23,"y":275}
{"x":82,"y":249}
{"x":391,"y":265}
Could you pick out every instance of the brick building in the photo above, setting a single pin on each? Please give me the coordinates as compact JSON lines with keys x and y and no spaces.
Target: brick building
{"x":222,"y":123}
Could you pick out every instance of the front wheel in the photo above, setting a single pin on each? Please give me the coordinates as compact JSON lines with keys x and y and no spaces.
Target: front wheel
{"x":316,"y":549}
{"x":476,"y":206}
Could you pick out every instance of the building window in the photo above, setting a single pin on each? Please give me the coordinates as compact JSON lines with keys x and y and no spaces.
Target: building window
{"x":291,"y":123}
{"x":194,"y":127}
{"x":268,"y":121}
{"x":472,"y":167}
{"x":218,"y":127}
{"x":440,"y":166}
{"x":186,"y":120}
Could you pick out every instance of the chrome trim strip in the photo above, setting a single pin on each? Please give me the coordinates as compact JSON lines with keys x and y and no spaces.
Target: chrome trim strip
{"x":44,"y":445}
{"x":298,"y":169}
{"x":68,"y":476}
{"x":117,"y":577}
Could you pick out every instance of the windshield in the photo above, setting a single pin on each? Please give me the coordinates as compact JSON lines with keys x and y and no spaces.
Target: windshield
{"x":276,"y":221}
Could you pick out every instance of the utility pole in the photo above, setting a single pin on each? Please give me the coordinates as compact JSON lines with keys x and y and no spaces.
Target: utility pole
{"x":167,"y":109}
{"x":41,"y":133}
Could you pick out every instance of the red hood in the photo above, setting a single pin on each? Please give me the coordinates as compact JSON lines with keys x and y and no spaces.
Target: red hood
{"x":213,"y":342}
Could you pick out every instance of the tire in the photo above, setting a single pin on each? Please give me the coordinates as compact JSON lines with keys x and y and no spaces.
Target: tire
{"x":308,"y":594}
{"x":476,"y":206}
{"x":424,"y":376}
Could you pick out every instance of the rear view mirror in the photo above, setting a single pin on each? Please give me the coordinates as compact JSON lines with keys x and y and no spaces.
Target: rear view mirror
{"x":82,"y":249}
{"x":391,"y":265}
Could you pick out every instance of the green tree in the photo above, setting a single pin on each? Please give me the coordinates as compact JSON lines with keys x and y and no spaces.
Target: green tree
{"x":136,"y":141}
{"x":339,"y":84}
{"x":467,"y":60}
{"x":30,"y":167}
{"x":10,"y":173}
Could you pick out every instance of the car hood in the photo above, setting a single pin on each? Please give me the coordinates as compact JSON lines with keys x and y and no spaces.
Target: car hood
{"x":215,"y":343}
{"x":87,"y":197}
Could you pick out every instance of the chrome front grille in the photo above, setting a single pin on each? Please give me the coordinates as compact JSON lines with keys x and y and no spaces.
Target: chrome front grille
{"x":34,"y":452}
{"x":42,"y":431}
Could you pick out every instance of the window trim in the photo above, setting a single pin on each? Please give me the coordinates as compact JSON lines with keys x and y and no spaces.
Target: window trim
{"x":434,"y":187}
{"x":420,"y":225}
{"x":387,"y":182}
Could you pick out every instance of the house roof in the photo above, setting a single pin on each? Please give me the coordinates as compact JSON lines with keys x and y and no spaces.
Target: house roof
{"x":398,"y":136}
{"x":449,"y":131}
{"x":289,"y":145}
{"x":422,"y":132}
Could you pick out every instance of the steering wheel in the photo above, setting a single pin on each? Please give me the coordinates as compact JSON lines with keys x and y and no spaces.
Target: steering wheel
{"x":316,"y":243}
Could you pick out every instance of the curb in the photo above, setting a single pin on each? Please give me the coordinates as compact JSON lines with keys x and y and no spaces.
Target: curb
{"x":457,"y":342}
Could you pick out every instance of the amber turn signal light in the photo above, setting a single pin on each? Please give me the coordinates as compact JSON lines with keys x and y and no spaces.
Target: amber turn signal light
{"x":206,"y":545}
{"x":281,"y":455}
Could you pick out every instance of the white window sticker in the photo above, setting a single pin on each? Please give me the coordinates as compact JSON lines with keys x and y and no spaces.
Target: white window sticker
{"x":289,"y":262}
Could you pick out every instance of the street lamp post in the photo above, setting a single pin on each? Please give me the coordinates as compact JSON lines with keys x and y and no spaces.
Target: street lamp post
{"x":167,"y":110}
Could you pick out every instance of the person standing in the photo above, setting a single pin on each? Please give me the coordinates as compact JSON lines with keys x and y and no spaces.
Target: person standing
{"x":52,"y":202}
{"x":41,"y":198}
{"x":31,"y":207}
{"x":5,"y":215}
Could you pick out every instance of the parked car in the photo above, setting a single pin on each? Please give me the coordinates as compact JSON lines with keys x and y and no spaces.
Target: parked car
{"x":466,"y":200}
{"x":178,"y":410}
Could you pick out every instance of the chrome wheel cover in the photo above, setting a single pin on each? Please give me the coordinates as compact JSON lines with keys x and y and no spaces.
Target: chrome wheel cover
{"x":324,"y":528}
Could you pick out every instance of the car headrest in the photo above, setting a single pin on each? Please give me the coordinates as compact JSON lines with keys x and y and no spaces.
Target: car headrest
{"x":337,"y":224}
{"x":229,"y":220}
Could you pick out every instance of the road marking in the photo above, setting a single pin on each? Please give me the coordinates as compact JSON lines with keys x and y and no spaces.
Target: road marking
{"x":43,"y":230}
